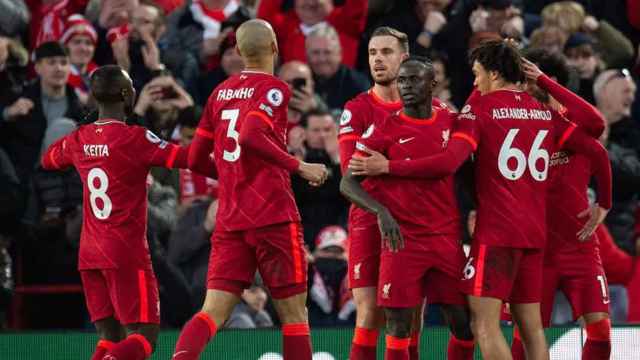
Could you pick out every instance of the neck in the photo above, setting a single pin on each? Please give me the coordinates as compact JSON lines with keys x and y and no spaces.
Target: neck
{"x":265,"y":67}
{"x":388,"y":93}
{"x":554,"y":104}
{"x":419,"y":111}
{"x":112,"y":112}
{"x":503,"y":85}
{"x":53,"y":91}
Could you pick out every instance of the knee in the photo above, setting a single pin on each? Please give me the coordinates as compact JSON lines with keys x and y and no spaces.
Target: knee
{"x":399,"y":322}
{"x":483,"y":328}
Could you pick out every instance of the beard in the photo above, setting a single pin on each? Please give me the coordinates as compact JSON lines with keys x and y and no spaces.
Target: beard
{"x":384,"y":81}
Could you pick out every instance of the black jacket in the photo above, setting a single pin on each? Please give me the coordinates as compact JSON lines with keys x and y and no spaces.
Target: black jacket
{"x":22,"y":137}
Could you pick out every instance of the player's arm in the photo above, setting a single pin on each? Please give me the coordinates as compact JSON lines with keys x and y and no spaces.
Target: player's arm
{"x":584,"y":114}
{"x":349,"y":133}
{"x":202,"y":144}
{"x":579,"y":142}
{"x":57,"y":156}
{"x":351,"y":188}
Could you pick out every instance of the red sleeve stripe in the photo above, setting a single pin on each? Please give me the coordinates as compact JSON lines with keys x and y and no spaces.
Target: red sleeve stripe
{"x":144,"y":301}
{"x":348,"y":137}
{"x":172,"y":157}
{"x":205,"y":134}
{"x":261,"y":116}
{"x":466,"y":137}
{"x":478,"y":283}
{"x":566,"y":135}
{"x":53,"y":159}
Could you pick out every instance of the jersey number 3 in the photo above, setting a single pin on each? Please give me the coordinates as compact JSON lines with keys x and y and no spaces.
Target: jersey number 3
{"x":507,"y":152}
{"x":98,"y":183}
{"x":232,"y":116}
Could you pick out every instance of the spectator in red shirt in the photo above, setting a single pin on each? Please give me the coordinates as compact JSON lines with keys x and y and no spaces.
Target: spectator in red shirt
{"x":80,"y":39}
{"x":294,"y":25}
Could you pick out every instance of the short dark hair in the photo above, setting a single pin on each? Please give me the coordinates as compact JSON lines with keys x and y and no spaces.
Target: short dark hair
{"x":304,"y":121}
{"x":402,"y":38}
{"x":551,"y":63}
{"x":499,"y":56}
{"x":107,"y":84}
{"x":421,"y":60}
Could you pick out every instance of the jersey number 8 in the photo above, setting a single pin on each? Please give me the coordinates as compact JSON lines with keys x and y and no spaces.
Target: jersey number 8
{"x":507,"y":152}
{"x":99,"y":192}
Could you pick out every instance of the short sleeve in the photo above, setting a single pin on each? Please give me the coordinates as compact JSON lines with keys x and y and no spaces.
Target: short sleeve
{"x":373,"y":138}
{"x":467,"y":124}
{"x":153,"y":151}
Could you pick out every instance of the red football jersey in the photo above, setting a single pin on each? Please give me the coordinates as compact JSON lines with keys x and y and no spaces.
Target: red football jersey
{"x":359,"y":115}
{"x":421,"y":206}
{"x":254,"y":184}
{"x":513,"y":136}
{"x":113,"y":160}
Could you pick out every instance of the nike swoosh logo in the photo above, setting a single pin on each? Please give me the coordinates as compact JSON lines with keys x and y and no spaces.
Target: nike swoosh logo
{"x":402,"y":141}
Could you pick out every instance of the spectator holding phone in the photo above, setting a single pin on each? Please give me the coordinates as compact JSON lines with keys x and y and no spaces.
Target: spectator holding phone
{"x":303,"y":98}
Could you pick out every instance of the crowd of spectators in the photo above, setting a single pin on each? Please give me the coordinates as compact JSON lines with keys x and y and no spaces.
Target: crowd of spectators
{"x":178,"y":51}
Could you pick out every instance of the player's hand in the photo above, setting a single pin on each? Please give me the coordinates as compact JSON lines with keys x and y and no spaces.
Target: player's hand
{"x":316,"y":174}
{"x":21,"y":107}
{"x":390,"y":231}
{"x":373,"y":165}
{"x":531,"y":71}
{"x":596,"y":217}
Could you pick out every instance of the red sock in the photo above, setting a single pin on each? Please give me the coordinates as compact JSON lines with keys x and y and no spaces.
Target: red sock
{"x":134,"y":347}
{"x":460,"y":349}
{"x":296,"y":342}
{"x":598,"y":345}
{"x":517,"y":349}
{"x":195,"y":335}
{"x":101,"y":349}
{"x":414,"y":347}
{"x":397,"y":348}
{"x":364,"y":344}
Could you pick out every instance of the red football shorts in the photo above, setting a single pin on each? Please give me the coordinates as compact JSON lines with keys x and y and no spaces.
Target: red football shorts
{"x":364,"y":256}
{"x":580,"y":276}
{"x":128,"y":295}
{"x":513,"y":275}
{"x":427,"y":266}
{"x":275,"y":250}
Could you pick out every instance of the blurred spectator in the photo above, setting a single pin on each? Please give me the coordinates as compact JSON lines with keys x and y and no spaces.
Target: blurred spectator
{"x":53,"y":216}
{"x":189,"y":246}
{"x":334,"y":82}
{"x":192,"y":186}
{"x":80,"y":39}
{"x":614,"y":90}
{"x":250,"y":312}
{"x":231,"y":63}
{"x":303,"y":98}
{"x":14,"y":17}
{"x":615,"y":48}
{"x":441,"y":89}
{"x":47,"y":99}
{"x":324,"y":205}
{"x":582,"y":56}
{"x":550,"y":38}
{"x":13,"y":70}
{"x":329,"y":298}
{"x":293,"y":25}
{"x":197,"y":29}
{"x":48,"y":17}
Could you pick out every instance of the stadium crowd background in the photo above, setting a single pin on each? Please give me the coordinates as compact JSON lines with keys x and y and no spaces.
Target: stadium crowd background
{"x":177,"y":51}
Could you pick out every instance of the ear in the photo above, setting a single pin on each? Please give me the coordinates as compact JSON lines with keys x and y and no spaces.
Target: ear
{"x":493,"y":75}
{"x":274,"y":47}
{"x":434,"y":83}
{"x":404,"y":56}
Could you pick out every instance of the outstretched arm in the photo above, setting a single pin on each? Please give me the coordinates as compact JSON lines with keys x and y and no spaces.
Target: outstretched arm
{"x":351,"y":188}
{"x":435,"y":166}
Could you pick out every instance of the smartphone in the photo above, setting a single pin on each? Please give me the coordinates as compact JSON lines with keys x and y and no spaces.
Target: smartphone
{"x":299,"y":83}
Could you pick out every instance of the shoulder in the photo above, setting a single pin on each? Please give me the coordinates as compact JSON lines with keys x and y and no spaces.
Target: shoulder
{"x":360,"y":101}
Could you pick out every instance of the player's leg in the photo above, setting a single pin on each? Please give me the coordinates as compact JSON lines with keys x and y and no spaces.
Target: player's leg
{"x":417,"y":323}
{"x":399,"y":321}
{"x":487,"y":287}
{"x":232,"y":267}
{"x":364,"y":263}
{"x":525,"y":304}
{"x":551,"y":281}
{"x":101,"y":311}
{"x":283,"y":266}
{"x":598,"y":344}
{"x":135,"y":296}
{"x":461,"y":343}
